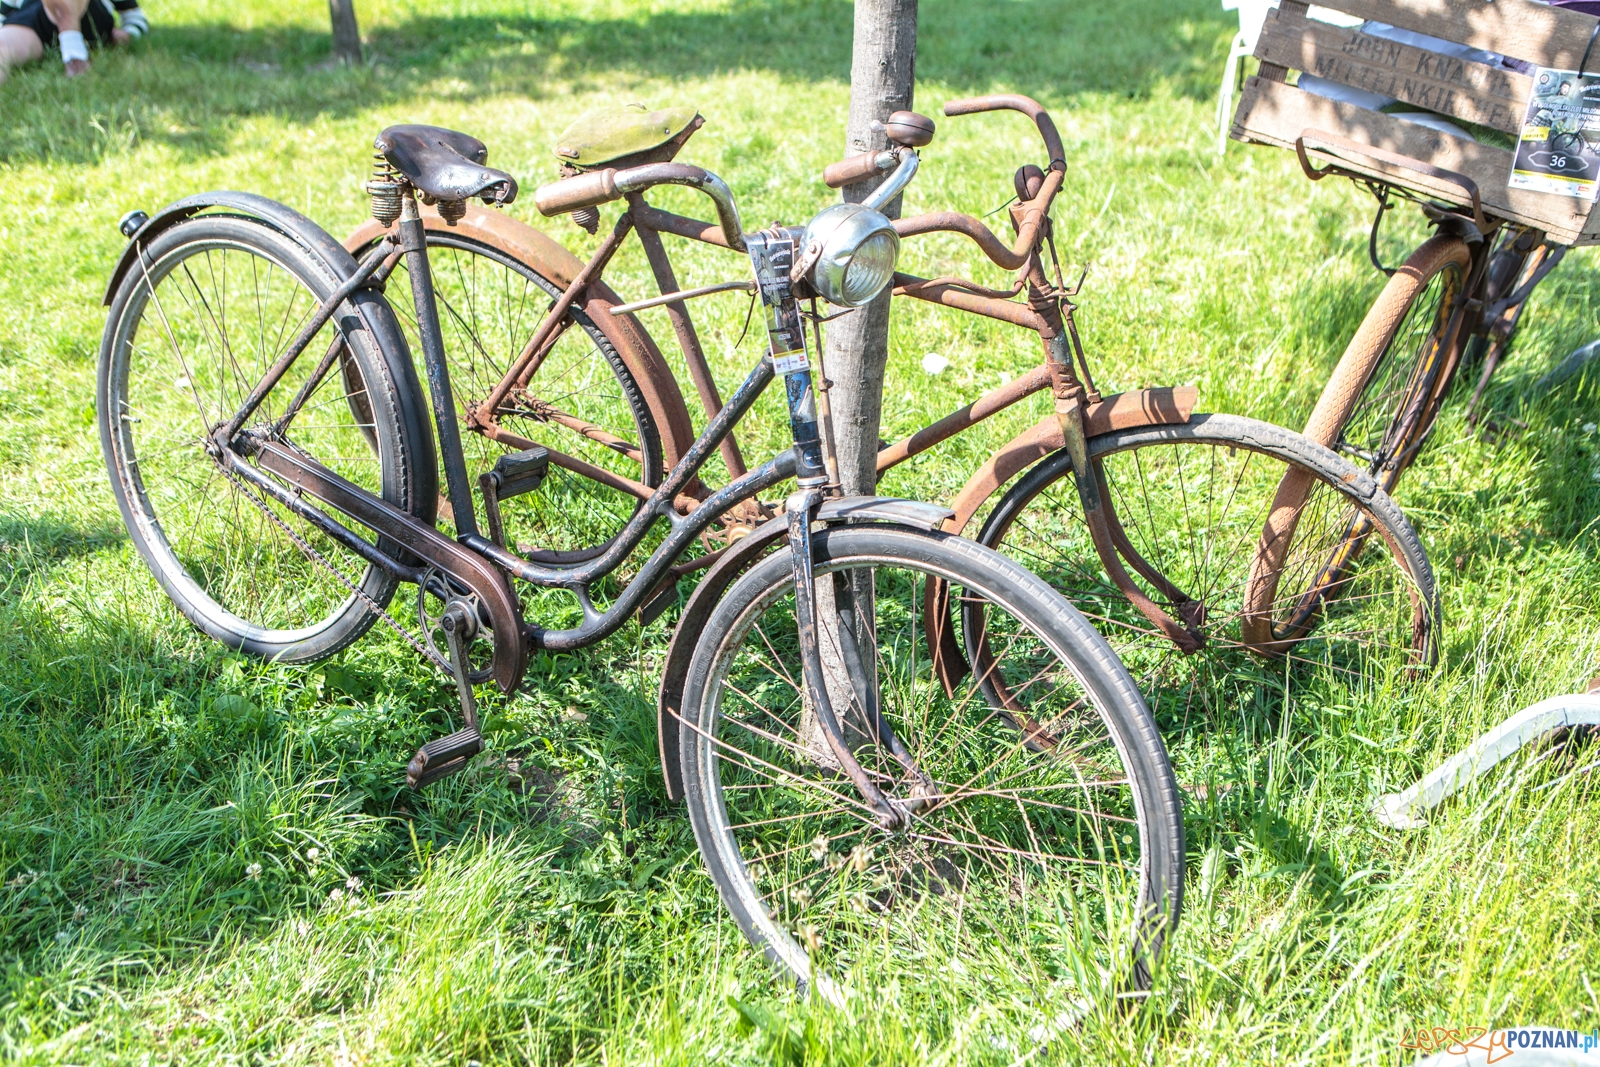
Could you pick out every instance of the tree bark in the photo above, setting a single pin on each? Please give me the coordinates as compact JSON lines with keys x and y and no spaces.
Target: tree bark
{"x":346,"y":34}
{"x":882,"y":73}
{"x":856,"y":350}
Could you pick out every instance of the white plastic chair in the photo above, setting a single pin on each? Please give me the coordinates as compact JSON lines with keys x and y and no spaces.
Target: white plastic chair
{"x":1252,"y":16}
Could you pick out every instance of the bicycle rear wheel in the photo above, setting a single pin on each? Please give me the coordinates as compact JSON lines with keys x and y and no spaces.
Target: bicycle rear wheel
{"x":1194,"y":501}
{"x":1052,"y":852}
{"x":581,"y":402}
{"x":1382,"y":398}
{"x":214,"y":302}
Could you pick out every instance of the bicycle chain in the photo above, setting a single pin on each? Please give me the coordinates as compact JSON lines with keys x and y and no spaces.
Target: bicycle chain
{"x":318,"y":558}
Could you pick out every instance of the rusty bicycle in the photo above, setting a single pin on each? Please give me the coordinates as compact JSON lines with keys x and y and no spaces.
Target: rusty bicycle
{"x":1146,"y":514}
{"x":271,"y":449}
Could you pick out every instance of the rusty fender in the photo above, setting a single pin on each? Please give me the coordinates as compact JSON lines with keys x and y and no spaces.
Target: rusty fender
{"x":1124,"y":411}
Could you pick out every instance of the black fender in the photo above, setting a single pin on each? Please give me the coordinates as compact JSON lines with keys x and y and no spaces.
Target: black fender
{"x":376,"y":314}
{"x":728,"y":567}
{"x":287,"y":220}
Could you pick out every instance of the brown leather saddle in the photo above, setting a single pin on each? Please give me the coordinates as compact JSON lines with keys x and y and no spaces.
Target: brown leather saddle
{"x":445,"y":165}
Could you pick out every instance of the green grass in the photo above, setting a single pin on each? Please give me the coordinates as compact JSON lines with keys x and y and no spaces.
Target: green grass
{"x":144,"y":773}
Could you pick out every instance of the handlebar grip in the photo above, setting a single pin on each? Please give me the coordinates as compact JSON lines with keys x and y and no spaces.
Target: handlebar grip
{"x":852,"y":170}
{"x":580,"y":190}
{"x":1030,"y":107}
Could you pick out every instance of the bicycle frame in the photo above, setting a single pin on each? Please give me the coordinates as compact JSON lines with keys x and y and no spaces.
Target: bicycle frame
{"x":473,"y":561}
{"x":1080,"y":411}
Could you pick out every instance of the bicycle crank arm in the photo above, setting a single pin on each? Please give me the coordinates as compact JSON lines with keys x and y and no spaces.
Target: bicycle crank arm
{"x":461,"y":564}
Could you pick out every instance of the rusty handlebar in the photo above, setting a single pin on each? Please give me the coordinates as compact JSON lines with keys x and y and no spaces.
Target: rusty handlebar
{"x":1034,"y":215}
{"x":603,"y":186}
{"x":1014,"y":102}
{"x":849,"y":171}
{"x":1035,"y":210}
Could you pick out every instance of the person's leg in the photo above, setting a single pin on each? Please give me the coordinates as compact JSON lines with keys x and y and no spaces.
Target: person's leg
{"x":18,"y":45}
{"x":68,"y":17}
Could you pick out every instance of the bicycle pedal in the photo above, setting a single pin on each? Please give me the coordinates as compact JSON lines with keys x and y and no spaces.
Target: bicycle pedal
{"x":443,"y":756}
{"x":520,"y":472}
{"x":657,"y":605}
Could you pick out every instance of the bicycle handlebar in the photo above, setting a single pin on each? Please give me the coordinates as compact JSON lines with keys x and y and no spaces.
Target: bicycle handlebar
{"x":856,"y":168}
{"x":1014,"y":102}
{"x":603,"y":186}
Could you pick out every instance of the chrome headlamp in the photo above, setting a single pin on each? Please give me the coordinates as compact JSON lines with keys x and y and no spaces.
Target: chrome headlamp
{"x":851,"y":250}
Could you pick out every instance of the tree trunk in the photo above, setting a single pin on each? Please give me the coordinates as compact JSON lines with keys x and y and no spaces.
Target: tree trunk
{"x":346,"y":34}
{"x":882,"y":71}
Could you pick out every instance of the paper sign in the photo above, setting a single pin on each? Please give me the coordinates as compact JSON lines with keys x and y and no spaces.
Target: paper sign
{"x":1559,"y":148}
{"x":772,"y":257}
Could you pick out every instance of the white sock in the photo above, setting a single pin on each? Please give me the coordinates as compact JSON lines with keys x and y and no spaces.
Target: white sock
{"x":134,"y":22}
{"x":72,"y":46}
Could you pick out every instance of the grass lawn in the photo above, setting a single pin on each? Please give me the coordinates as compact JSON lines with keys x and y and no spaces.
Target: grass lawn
{"x":144,"y":771}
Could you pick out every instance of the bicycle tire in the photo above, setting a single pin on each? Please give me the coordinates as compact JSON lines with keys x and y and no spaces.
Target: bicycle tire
{"x":490,"y":303}
{"x":234,"y":563}
{"x":1382,"y":397}
{"x":1228,"y":469}
{"x":779,"y":896}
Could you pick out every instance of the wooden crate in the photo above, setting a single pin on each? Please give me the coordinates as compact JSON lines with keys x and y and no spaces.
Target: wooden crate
{"x":1274,"y":112}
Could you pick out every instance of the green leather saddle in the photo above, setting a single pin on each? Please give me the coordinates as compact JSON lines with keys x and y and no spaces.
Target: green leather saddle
{"x":626,"y":136}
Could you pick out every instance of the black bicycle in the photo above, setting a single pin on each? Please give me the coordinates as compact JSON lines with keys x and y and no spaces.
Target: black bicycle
{"x":275,"y":462}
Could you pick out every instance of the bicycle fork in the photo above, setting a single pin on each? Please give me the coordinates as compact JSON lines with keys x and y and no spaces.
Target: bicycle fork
{"x":772,"y":256}
{"x":1111,"y":541}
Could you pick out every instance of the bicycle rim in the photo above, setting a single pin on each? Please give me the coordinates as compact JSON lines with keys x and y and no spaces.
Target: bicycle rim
{"x":1021,"y":859}
{"x":581,"y":402}
{"x":189,"y":338}
{"x":1195,"y":502}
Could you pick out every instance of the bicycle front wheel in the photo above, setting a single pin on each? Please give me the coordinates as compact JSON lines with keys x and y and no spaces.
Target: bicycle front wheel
{"x":1041,"y":838}
{"x":1207,"y":541}
{"x":212,"y":304}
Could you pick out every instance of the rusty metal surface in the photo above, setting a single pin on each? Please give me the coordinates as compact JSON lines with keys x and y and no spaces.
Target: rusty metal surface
{"x":964,"y":300}
{"x":1144,"y":407}
{"x":476,"y":573}
{"x":694,"y":355}
{"x":1034,"y":215}
{"x":1016,"y":102}
{"x":633,"y":343}
{"x":957,"y":421}
{"x":681,"y":226}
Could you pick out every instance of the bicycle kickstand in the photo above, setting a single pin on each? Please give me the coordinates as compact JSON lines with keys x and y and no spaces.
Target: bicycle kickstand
{"x":447,"y":755}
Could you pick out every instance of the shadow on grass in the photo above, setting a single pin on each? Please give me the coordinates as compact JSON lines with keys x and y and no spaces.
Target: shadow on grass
{"x":30,"y":544}
{"x":158,"y":792}
{"x":187,"y":85}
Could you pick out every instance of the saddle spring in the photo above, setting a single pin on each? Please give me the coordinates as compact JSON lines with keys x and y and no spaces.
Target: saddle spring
{"x":384,"y":190}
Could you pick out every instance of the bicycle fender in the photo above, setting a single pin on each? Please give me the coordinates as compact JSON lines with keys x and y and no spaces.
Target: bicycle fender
{"x":728,"y":567}
{"x":281,"y":217}
{"x":1123,"y":411}
{"x":374,"y":310}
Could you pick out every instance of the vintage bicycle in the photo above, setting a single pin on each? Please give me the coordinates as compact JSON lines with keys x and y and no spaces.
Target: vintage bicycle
{"x":1458,"y":298}
{"x":1159,"y":523}
{"x":270,"y":448}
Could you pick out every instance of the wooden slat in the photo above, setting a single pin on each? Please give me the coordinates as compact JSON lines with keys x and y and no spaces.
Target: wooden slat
{"x":1547,"y":36}
{"x":1472,"y":91}
{"x":1276,"y":114}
